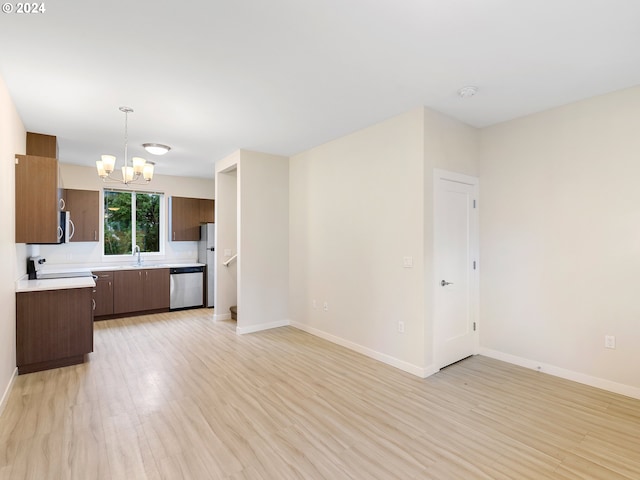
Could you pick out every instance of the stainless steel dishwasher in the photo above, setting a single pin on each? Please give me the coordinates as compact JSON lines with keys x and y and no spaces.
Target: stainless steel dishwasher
{"x":186,"y":287}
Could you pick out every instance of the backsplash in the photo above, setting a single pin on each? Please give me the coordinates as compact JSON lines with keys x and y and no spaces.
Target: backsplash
{"x":91,"y":253}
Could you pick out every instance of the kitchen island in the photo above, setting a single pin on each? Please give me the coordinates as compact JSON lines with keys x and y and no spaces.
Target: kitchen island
{"x":54,"y":322}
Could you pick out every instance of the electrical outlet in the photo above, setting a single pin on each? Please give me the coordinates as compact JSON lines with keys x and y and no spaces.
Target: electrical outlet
{"x":400,"y":327}
{"x":325,"y":306}
{"x":609,"y":341}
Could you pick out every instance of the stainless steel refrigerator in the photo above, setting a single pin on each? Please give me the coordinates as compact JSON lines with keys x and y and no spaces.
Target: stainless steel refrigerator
{"x":207,"y":255}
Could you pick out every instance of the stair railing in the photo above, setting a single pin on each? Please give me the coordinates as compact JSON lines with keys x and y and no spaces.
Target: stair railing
{"x":226,"y":264}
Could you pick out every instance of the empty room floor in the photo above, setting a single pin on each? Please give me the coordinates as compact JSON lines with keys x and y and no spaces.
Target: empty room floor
{"x":174,"y":395}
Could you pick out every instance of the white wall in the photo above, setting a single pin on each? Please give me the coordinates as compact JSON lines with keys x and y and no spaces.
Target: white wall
{"x":12,"y":142}
{"x":560,"y":240}
{"x":85,"y":178}
{"x":252,"y":218}
{"x":263,"y":234}
{"x":226,"y":284}
{"x":359,"y":205}
{"x":356,"y":209}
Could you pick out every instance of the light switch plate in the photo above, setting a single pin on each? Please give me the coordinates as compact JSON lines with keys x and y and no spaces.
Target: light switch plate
{"x":609,"y":341}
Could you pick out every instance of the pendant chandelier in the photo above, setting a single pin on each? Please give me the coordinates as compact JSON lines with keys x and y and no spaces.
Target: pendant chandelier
{"x":140,"y":171}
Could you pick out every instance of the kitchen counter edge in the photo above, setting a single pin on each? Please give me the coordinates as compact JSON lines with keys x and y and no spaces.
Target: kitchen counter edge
{"x":26,"y":285}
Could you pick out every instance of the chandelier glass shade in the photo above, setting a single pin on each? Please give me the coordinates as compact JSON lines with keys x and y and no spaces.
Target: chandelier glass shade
{"x":139,"y":171}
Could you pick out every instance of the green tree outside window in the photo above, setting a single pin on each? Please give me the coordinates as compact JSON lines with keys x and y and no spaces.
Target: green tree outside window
{"x":123,"y":210}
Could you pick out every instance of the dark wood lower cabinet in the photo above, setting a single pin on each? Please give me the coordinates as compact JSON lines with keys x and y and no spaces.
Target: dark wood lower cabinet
{"x":141,"y":290}
{"x":54,"y":328}
{"x":127,"y":293}
{"x":103,"y":294}
{"x":156,"y":290}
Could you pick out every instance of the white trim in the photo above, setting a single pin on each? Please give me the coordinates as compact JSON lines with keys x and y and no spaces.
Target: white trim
{"x":422,"y":372}
{"x":620,"y":388}
{"x":162,"y":231}
{"x":439,"y":174}
{"x":218,"y":317}
{"x":261,"y":326}
{"x":7,"y":391}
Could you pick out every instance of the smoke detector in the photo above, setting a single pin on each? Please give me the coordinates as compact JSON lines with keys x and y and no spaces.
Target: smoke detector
{"x":468,"y":91}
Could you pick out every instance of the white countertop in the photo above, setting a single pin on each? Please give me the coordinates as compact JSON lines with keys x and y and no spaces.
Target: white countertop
{"x":131,"y":266}
{"x":25,"y":285}
{"x":54,"y":284}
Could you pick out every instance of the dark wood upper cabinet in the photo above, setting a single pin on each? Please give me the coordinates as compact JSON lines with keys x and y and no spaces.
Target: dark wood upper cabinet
{"x":84,"y":207}
{"x":207,"y":211}
{"x":185,"y":219}
{"x":37,"y":199}
{"x":42,"y":145}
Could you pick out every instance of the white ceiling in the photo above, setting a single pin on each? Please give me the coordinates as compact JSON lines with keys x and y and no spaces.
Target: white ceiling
{"x":282,"y":76}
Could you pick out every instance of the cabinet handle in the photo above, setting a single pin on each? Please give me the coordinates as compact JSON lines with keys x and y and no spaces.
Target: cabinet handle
{"x":60,"y":232}
{"x":62,"y":203}
{"x":73,"y":229}
{"x":174,"y":235}
{"x":93,"y":302}
{"x":95,"y":235}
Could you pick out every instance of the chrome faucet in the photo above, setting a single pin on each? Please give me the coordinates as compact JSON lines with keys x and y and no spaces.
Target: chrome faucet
{"x":137,"y":250}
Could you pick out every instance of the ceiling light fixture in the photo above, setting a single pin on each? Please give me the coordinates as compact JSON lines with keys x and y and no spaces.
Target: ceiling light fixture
{"x":156,"y":148}
{"x":468,"y":91}
{"x":141,"y":171}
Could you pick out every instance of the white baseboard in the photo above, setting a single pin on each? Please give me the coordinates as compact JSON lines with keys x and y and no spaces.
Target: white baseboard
{"x":7,"y":391}
{"x":261,"y":326}
{"x":622,"y":389}
{"x":422,"y":372}
{"x":218,"y":317}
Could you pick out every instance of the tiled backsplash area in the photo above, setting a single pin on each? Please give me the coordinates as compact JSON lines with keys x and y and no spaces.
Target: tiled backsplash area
{"x":90,"y":253}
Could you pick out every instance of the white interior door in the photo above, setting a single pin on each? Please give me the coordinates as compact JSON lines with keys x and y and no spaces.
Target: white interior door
{"x":455,"y":266}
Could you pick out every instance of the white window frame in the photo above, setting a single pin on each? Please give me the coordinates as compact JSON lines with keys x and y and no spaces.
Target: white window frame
{"x":162,"y":233}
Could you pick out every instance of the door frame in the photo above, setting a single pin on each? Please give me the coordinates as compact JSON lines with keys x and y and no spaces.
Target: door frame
{"x":474,"y":294}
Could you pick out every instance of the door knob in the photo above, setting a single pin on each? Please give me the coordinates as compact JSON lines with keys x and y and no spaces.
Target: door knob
{"x":444,"y":283}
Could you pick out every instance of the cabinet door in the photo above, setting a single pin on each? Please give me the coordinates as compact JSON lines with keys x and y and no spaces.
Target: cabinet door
{"x":207,"y":211}
{"x":37,"y":195}
{"x":156,"y":288}
{"x":52,"y":325}
{"x":42,"y":145}
{"x":103,"y":295}
{"x":128,"y":291}
{"x":185,"y":219}
{"x":84,"y":206}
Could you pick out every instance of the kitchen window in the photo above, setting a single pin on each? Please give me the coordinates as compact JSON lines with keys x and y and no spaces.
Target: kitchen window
{"x":130,"y":219}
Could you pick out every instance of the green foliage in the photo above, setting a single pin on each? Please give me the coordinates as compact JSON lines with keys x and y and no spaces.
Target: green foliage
{"x":117,"y":223}
{"x":148,"y":222}
{"x":118,"y":219}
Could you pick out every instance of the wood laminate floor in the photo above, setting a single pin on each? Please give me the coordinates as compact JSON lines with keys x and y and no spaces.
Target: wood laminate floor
{"x":174,"y":396}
